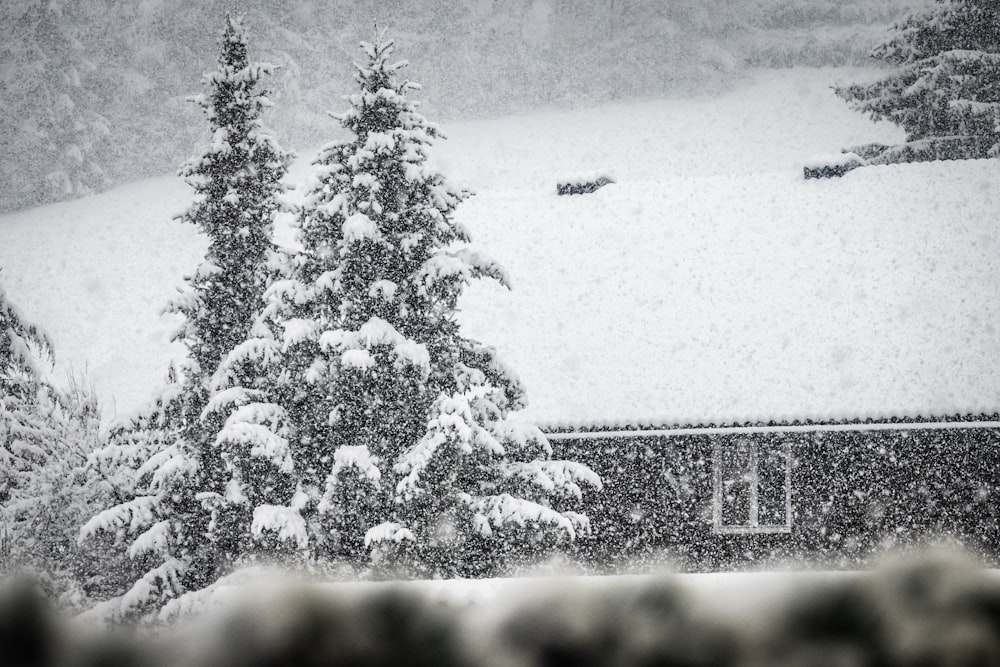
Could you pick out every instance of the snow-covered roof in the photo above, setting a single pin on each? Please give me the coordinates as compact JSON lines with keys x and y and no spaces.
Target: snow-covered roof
{"x":741,"y":299}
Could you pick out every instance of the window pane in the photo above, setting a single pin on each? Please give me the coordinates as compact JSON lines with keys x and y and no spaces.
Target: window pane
{"x":736,"y":476}
{"x":752,"y":486}
{"x":772,"y":462}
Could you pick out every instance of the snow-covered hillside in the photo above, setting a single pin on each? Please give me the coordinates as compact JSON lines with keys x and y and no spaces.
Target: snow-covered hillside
{"x":709,"y":283}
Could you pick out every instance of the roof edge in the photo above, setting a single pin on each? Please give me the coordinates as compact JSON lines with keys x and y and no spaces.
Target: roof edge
{"x":563,"y":430}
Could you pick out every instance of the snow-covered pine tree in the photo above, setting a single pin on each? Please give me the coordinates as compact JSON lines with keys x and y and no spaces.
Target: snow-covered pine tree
{"x":944,"y":89}
{"x":58,"y":496}
{"x":46,"y":486}
{"x":387,"y":434}
{"x":179,"y":474}
{"x":26,"y":433}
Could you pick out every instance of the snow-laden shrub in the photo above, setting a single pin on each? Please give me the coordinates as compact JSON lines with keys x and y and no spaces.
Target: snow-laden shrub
{"x":580,"y":184}
{"x":48,"y":485}
{"x":829,"y":166}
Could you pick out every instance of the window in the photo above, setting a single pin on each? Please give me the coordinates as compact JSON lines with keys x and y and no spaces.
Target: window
{"x":752,"y":487}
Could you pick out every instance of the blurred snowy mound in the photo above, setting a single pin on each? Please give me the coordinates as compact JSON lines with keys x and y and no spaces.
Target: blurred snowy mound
{"x":937,"y":610}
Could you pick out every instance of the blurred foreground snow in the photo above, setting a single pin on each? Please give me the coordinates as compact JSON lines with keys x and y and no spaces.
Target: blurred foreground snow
{"x":939,"y":609}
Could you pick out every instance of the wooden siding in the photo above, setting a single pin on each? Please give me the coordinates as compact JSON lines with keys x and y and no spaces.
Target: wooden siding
{"x":856,"y":491}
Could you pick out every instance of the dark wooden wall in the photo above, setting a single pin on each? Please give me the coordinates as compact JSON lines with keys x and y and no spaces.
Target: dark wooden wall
{"x":855,"y":495}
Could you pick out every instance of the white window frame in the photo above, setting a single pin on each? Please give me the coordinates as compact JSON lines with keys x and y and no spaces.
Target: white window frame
{"x":752,"y":524}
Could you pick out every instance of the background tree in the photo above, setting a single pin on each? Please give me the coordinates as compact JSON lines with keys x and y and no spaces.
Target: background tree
{"x":55,"y":112}
{"x":384,"y":433}
{"x":237,"y":182}
{"x":944,"y":89}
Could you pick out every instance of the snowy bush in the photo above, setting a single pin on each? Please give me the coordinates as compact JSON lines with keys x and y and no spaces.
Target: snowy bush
{"x":47,"y":484}
{"x":582,"y":184}
{"x":829,"y":166}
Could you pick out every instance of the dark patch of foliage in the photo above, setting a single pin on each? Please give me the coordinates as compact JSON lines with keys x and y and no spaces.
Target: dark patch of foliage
{"x":582,"y":186}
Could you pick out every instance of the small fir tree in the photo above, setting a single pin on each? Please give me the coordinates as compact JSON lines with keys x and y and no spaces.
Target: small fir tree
{"x":944,"y":89}
{"x":26,"y":430}
{"x":62,"y":492}
{"x":47,"y":488}
{"x":380,"y":431}
{"x":168,"y":520}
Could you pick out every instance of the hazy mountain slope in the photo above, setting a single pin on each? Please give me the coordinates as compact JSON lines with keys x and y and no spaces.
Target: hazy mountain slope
{"x":127,"y":66}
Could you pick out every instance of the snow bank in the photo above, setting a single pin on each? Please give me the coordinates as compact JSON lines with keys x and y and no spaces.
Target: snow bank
{"x":774,"y":122}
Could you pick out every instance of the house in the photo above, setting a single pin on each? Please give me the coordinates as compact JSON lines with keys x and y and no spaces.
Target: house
{"x":749,"y":495}
{"x":749,"y":363}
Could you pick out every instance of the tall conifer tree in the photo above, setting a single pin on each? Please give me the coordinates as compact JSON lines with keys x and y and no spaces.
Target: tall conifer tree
{"x":237,"y":182}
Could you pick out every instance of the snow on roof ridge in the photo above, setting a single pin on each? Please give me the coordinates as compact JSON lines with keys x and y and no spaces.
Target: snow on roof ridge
{"x":570,"y":427}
